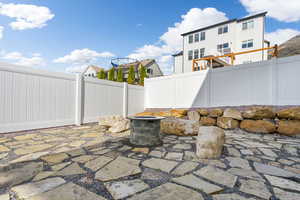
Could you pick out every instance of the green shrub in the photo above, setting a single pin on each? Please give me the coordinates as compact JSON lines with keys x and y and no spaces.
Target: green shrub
{"x":101,"y":74}
{"x":120,"y":75}
{"x":142,"y":74}
{"x":111,"y":74}
{"x":131,"y":75}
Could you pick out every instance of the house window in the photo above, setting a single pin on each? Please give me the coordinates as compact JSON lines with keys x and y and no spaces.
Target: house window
{"x":191,"y":39}
{"x":202,"y":50}
{"x":247,"y":44}
{"x":190,"y":56}
{"x":202,"y":36}
{"x":197,"y":37}
{"x":223,"y":46}
{"x":196,"y":54}
{"x":223,"y":29}
{"x":248,"y":25}
{"x":149,"y":71}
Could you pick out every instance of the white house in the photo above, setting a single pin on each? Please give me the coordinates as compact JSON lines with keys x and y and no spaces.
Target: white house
{"x":235,"y":35}
{"x":92,"y":71}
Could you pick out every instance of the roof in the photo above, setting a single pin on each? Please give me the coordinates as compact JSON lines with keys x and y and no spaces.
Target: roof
{"x":97,"y":69}
{"x":225,"y":22}
{"x":178,"y":54}
{"x":145,"y":63}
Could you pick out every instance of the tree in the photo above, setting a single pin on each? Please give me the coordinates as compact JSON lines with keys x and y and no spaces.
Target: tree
{"x":111,"y":74}
{"x":142,"y":74}
{"x":120,"y":75}
{"x":131,"y":75}
{"x":101,"y":74}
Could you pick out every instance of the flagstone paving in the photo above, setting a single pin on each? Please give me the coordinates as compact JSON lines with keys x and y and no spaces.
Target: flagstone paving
{"x":86,"y":163}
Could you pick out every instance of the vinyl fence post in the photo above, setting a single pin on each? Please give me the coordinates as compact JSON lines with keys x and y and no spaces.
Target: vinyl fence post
{"x":78,"y":100}
{"x":125,"y":99}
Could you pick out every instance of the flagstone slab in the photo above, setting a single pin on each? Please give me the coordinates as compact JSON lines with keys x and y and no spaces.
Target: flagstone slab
{"x":30,"y":189}
{"x":283,"y":183}
{"x":185,"y":167}
{"x":120,"y":167}
{"x":161,"y":164}
{"x":69,"y":191}
{"x":285,"y":195}
{"x":174,"y":156}
{"x":26,"y":137}
{"x":271,"y":170}
{"x":4,"y":196}
{"x":84,"y":158}
{"x":123,"y":189}
{"x":245,"y":173}
{"x":3,"y":149}
{"x":55,"y":158}
{"x":43,"y":175}
{"x":256,"y":188}
{"x":195,"y":182}
{"x":98,"y":163}
{"x":217,"y":175}
{"x":231,"y":196}
{"x":30,"y":157}
{"x":59,"y":166}
{"x":168,"y":191}
{"x":72,"y":169}
{"x":32,"y":149}
{"x":238,"y":162}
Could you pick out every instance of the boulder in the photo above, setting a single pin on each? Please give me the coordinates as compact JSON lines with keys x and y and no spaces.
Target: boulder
{"x":146,"y":113}
{"x":193,"y":115}
{"x":178,"y":113}
{"x":203,"y":112}
{"x":289,"y":113}
{"x":227,"y":123}
{"x":289,"y":127}
{"x":109,"y":120}
{"x":120,"y":126}
{"x":258,"y":126}
{"x":218,"y":112}
{"x":210,"y":142}
{"x":207,"y":121}
{"x":233,"y":113}
{"x":259,"y":112}
{"x":181,"y":127}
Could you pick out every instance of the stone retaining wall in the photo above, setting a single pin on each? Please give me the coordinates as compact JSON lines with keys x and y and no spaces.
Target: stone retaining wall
{"x":257,"y":119}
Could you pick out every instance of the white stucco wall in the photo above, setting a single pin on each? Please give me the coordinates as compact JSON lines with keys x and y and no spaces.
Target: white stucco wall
{"x":178,"y":64}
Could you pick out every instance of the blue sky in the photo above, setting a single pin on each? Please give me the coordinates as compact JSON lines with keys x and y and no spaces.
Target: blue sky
{"x":67,"y":35}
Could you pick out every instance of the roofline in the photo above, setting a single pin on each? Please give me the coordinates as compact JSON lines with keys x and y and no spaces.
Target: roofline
{"x":225,"y":22}
{"x":178,"y":54}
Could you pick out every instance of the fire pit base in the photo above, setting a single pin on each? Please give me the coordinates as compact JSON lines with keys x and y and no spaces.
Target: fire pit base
{"x":145,"y":131}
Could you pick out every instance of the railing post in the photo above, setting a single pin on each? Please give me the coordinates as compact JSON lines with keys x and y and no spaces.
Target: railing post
{"x":78,"y":100}
{"x":125,"y":99}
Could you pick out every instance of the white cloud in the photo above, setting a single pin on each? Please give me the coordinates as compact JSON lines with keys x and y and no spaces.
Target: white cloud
{"x":80,"y":58}
{"x":19,"y":59}
{"x":1,"y":32}
{"x":281,"y":35}
{"x":282,"y":10}
{"x":26,"y":16}
{"x":171,"y":41}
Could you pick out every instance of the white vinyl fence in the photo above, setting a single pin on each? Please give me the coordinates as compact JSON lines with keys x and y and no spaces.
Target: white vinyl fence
{"x":32,"y":98}
{"x":273,"y":82}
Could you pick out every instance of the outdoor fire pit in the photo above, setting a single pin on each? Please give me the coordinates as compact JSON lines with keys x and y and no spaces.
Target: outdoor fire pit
{"x":145,"y":130}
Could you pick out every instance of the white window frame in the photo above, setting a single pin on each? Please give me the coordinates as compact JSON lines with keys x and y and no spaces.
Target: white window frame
{"x":221,"y":47}
{"x":247,"y":44}
{"x":196,"y":53}
{"x":202,"y":35}
{"x":196,"y":37}
{"x":191,"y":38}
{"x":190,"y":55}
{"x":223,"y":28}
{"x":202,"y":52}
{"x":248,"y":25}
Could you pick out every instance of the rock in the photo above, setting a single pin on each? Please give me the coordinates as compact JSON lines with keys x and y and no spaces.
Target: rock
{"x":245,"y":173}
{"x":174,"y":156}
{"x":256,"y":188}
{"x":281,"y":194}
{"x":69,"y":191}
{"x":4,"y":196}
{"x":55,"y":158}
{"x":118,"y":168}
{"x":154,"y":175}
{"x":144,"y":114}
{"x":185,"y":167}
{"x":123,"y":189}
{"x":289,"y":127}
{"x":161,"y":164}
{"x":182,"y":146}
{"x":230,"y":196}
{"x":84,"y":158}
{"x":72,"y":169}
{"x":110,"y":120}
{"x":32,"y":149}
{"x":158,"y":154}
{"x":203,"y":112}
{"x":194,"y":182}
{"x":227,"y":123}
{"x":180,"y":127}
{"x":271,"y":170}
{"x":238,"y":162}
{"x":120,"y":126}
{"x":259,"y":112}
{"x":210,"y":142}
{"x":97,"y":163}
{"x":60,"y":166}
{"x":283,"y":183}
{"x":20,"y":174}
{"x":233,"y":113}
{"x":217,"y":175}
{"x":208,"y":121}
{"x":178,"y":113}
{"x":193,"y":115}
{"x":218,"y":112}
{"x":289,"y":113}
{"x":28,"y":190}
{"x":3,"y":149}
{"x":168,"y":191}
{"x":258,"y":126}
{"x":144,"y":150}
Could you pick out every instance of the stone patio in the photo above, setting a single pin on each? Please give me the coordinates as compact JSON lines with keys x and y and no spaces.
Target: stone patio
{"x":87,"y":163}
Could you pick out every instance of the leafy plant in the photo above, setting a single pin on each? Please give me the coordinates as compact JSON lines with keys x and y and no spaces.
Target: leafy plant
{"x":120,"y":75}
{"x":142,"y":74}
{"x":131,"y":75}
{"x":101,"y":74}
{"x":111,"y":74}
